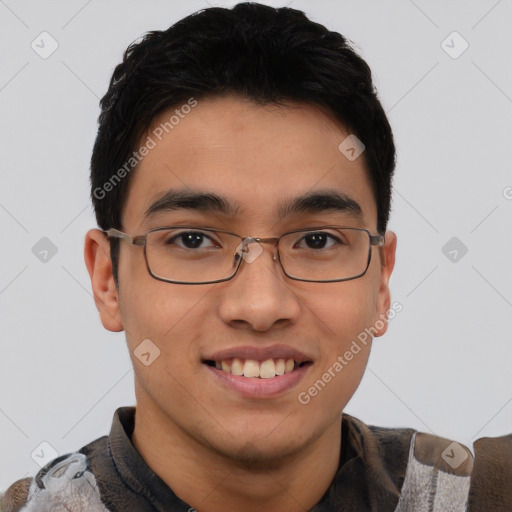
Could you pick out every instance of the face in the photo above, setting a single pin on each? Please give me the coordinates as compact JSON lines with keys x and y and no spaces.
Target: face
{"x":256,"y":158}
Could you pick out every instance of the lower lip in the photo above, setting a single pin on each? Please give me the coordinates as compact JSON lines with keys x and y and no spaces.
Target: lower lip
{"x":253,"y":387}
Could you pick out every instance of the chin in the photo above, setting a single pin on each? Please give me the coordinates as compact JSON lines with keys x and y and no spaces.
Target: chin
{"x":257,"y":451}
{"x":252,"y":457}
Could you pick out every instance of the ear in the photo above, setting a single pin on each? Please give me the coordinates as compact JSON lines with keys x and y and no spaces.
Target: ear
{"x":99,"y":266}
{"x":387,"y":258}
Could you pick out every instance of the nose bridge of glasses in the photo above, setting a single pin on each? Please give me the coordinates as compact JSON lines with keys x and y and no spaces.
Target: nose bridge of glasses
{"x":254,"y":240}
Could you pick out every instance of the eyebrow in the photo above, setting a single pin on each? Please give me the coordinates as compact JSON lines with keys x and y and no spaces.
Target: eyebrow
{"x":187,"y":200}
{"x":319,"y":201}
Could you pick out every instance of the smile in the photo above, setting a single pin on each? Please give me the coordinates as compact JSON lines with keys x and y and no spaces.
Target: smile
{"x":252,"y":368}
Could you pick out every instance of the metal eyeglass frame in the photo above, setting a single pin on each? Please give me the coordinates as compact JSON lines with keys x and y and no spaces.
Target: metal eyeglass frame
{"x":140,"y":241}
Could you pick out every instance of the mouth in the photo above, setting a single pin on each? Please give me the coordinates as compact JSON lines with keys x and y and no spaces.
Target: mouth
{"x":257,"y":369}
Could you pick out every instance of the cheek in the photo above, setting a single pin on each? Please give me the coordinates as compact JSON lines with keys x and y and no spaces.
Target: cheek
{"x":170,"y":317}
{"x":343,"y":313}
{"x":167,"y":314}
{"x":335,"y":381}
{"x":345,"y":309}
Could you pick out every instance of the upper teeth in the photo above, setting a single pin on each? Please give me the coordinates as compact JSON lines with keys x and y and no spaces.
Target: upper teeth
{"x":252,"y":368}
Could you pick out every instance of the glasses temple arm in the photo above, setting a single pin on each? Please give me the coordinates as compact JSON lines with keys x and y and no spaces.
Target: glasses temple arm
{"x":377,"y":240}
{"x":115,"y":233}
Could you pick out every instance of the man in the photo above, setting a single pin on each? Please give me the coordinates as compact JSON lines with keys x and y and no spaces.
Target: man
{"x":241,"y":178}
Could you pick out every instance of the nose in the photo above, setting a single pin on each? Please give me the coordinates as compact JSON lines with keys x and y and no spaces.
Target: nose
{"x":259,"y":296}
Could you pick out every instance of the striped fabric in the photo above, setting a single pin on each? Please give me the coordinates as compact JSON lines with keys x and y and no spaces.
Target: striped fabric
{"x":429,"y":488}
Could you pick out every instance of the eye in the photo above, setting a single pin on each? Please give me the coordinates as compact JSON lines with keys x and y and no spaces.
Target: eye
{"x":191,"y":240}
{"x":318,"y":240}
{"x":79,"y":474}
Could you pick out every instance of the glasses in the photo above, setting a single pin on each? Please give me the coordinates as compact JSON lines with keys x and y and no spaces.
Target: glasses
{"x":196,"y":255}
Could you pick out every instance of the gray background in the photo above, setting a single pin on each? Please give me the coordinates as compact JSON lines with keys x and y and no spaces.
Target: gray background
{"x":443,"y":367}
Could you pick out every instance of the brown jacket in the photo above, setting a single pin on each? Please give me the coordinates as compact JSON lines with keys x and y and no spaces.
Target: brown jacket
{"x":380,"y":470}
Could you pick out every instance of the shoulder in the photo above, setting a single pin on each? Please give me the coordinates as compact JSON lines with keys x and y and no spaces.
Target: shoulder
{"x":412,"y":446}
{"x":491,"y":486}
{"x":16,"y":495}
{"x":438,"y":474}
{"x":65,"y":483}
{"x":427,"y":470}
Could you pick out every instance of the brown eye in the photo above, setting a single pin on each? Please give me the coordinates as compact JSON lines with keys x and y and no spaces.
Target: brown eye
{"x":320,"y":240}
{"x":191,"y":240}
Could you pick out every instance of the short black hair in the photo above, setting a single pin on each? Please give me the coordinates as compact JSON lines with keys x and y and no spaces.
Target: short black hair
{"x":268,"y":55}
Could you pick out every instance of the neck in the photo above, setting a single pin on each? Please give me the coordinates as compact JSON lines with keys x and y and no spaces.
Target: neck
{"x":211,"y":482}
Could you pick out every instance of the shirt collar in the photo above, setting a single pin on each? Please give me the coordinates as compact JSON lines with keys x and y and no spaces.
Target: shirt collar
{"x":132,"y":468}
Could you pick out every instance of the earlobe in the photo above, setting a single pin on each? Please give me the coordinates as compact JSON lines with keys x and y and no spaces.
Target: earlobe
{"x":388,"y":253}
{"x":99,"y":266}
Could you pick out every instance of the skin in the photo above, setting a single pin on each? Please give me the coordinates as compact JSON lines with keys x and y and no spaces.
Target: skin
{"x":217,"y":450}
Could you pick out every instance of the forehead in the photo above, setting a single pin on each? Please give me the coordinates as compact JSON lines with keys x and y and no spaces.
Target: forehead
{"x":258,"y":158}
